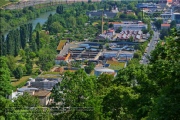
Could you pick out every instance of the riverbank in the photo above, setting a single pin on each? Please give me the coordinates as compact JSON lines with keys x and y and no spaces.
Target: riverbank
{"x":34,"y":18}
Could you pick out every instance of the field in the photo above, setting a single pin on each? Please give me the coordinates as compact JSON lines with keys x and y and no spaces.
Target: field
{"x":61,"y":44}
{"x":115,"y":65}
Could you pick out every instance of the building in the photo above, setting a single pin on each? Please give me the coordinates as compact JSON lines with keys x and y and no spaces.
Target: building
{"x":176,"y":17}
{"x":43,"y":96}
{"x":163,"y":3}
{"x":165,"y":26}
{"x":101,"y":70}
{"x":44,"y":84}
{"x":170,"y":15}
{"x":147,"y":5}
{"x":133,"y":35}
{"x":129,"y":25}
{"x":178,"y":26}
{"x":64,"y":59}
{"x":107,"y":14}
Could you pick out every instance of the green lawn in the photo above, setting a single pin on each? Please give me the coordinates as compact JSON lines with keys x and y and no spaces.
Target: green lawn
{"x":21,"y":82}
{"x":115,"y":65}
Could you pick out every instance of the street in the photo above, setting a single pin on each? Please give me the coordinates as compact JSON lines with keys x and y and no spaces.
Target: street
{"x":151,"y":47}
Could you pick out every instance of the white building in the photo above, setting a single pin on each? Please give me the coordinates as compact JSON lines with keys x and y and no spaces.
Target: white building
{"x":101,"y":70}
{"x":129,"y":25}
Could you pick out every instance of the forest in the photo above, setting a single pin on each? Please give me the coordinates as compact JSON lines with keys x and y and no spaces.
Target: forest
{"x":138,"y":92}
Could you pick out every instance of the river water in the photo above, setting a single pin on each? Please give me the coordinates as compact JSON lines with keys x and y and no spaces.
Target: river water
{"x":41,"y":19}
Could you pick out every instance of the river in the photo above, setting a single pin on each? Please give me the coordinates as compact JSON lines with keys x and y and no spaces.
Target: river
{"x":41,"y":19}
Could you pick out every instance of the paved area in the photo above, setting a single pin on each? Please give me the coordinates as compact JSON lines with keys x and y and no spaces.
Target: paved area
{"x":151,"y":47}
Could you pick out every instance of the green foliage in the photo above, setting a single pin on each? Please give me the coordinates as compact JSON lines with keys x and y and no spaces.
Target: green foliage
{"x":104,"y":81}
{"x":56,"y":28}
{"x":163,"y":33}
{"x":114,"y":103}
{"x":27,"y":107}
{"x":17,"y":17}
{"x":5,"y":87}
{"x":158,"y":23}
{"x":46,"y":58}
{"x":18,"y":72}
{"x":173,"y":24}
{"x":89,"y":68}
{"x":29,"y":66}
{"x":138,"y":54}
{"x":77,"y":91}
{"x":59,"y":9}
{"x":119,"y":30}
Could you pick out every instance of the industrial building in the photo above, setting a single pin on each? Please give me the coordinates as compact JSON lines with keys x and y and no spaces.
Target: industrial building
{"x":129,"y":25}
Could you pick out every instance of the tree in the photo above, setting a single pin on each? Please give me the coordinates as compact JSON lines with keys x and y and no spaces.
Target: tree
{"x":11,"y":62}
{"x":131,"y":39}
{"x":104,"y":81}
{"x":110,"y":8}
{"x":28,"y":107}
{"x":23,"y":35}
{"x":49,"y":21}
{"x":173,"y":24}
{"x":138,"y":54}
{"x":119,"y":30}
{"x":56,"y":28}
{"x":10,"y":43}
{"x":60,"y":9}
{"x":89,"y":68}
{"x":37,"y":40}
{"x":46,"y":58}
{"x":163,"y":33}
{"x":18,"y":72}
{"x":1,"y":45}
{"x":5,"y":87}
{"x":17,"y":42}
{"x":38,"y":27}
{"x":77,"y":91}
{"x":30,"y":30}
{"x":29,"y":66}
{"x":22,"y":55}
{"x":116,"y":101}
{"x":89,"y":1}
{"x":158,"y":23}
{"x":110,"y":25}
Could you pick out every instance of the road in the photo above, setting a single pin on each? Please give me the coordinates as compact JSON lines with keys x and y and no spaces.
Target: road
{"x":23,"y":4}
{"x":151,"y":47}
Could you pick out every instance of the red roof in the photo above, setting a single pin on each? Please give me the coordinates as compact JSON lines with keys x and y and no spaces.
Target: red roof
{"x":60,"y":58}
{"x":165,"y":25}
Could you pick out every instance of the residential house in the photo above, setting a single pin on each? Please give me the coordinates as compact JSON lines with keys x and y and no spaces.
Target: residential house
{"x":43,"y":96}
